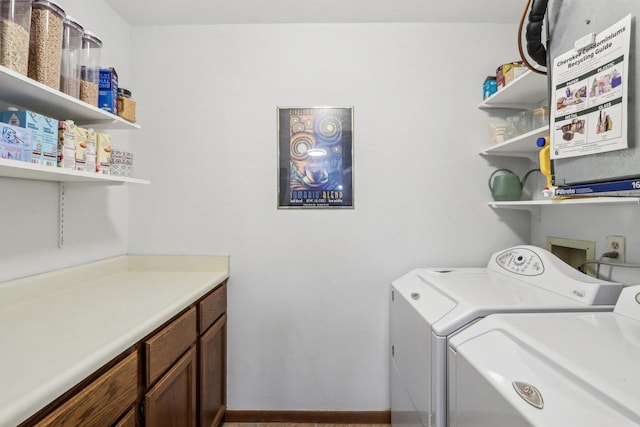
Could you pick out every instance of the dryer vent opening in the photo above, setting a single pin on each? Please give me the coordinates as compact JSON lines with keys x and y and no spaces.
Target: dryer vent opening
{"x":574,"y":252}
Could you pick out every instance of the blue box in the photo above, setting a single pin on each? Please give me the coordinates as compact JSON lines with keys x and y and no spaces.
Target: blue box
{"x":15,"y":143}
{"x":108,"y":90}
{"x":489,"y":87}
{"x":44,"y":143}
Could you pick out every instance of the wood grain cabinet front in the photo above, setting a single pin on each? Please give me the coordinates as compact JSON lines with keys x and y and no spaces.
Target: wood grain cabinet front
{"x":129,"y":420}
{"x":212,"y":393}
{"x":212,"y":306}
{"x":166,"y":346}
{"x":103,"y":401}
{"x":171,"y":402}
{"x":176,"y":376}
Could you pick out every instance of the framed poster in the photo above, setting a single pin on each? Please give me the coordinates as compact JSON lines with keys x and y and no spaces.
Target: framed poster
{"x":315,"y":157}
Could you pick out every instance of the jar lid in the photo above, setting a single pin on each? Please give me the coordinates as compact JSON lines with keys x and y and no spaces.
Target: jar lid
{"x":70,"y":21}
{"x":124,"y":92}
{"x":50,"y":4}
{"x":88,"y":35}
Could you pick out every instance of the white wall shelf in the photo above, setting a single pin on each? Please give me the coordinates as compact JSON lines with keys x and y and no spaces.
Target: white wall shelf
{"x":520,"y":146}
{"x":24,"y":170}
{"x":21,"y":91}
{"x":535,"y":206}
{"x":529,"y":86}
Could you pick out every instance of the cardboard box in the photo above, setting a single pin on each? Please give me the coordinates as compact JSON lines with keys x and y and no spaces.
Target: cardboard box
{"x":103,"y":153}
{"x":67,"y":144}
{"x":108,"y":90}
{"x":121,"y":162}
{"x":489,"y":87}
{"x":506,"y":73}
{"x":50,"y":143}
{"x":15,"y":143}
{"x":513,"y":71}
{"x":85,"y":153}
{"x":44,"y":142}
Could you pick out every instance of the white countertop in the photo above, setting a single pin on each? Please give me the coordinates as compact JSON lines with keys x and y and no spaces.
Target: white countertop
{"x":57,"y":328}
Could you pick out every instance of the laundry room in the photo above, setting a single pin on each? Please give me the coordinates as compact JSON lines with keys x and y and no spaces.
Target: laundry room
{"x":293,"y":300}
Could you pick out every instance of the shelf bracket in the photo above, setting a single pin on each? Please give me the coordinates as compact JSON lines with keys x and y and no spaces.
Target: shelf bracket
{"x":537,"y":211}
{"x":61,"y":194}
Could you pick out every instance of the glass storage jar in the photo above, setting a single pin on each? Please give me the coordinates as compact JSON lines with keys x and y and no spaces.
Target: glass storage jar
{"x":70,"y":61}
{"x":90,"y":66}
{"x":45,"y":43}
{"x":540,"y":117}
{"x":15,"y":22}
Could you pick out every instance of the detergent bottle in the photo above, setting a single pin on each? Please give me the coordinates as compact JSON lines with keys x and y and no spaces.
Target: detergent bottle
{"x":545,"y":164}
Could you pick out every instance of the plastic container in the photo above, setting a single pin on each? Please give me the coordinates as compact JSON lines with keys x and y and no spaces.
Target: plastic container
{"x":544,"y":157}
{"x":70,"y":61}
{"x":124,"y":93}
{"x":126,"y":105}
{"x":90,"y":68}
{"x":45,"y":42}
{"x":540,"y":117}
{"x":15,"y":22}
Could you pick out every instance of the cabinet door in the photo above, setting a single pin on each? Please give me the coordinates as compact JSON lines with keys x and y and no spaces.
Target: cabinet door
{"x":103,"y":401}
{"x":129,"y":420}
{"x":172,"y":401}
{"x":213,"y":373}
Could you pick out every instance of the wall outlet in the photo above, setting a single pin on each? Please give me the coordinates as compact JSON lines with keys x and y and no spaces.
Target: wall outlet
{"x":616,"y":243}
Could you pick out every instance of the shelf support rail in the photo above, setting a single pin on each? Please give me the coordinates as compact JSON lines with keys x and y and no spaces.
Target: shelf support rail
{"x":61,"y":194}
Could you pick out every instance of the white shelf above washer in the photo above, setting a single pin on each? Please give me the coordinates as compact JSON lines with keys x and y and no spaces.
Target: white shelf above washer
{"x":520,"y":146}
{"x":528,"y":204}
{"x":529,"y":86}
{"x":535,"y":206}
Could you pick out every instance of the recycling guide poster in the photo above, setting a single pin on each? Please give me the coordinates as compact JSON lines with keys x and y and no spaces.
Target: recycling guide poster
{"x":589,"y":95}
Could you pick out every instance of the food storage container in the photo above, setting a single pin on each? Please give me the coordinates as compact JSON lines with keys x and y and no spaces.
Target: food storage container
{"x":90,"y":66}
{"x":15,"y":22}
{"x":126,"y":105}
{"x":540,"y":117}
{"x":70,"y":61}
{"x":45,"y":43}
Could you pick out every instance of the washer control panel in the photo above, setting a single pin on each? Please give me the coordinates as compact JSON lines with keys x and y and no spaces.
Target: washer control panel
{"x":521,"y":261}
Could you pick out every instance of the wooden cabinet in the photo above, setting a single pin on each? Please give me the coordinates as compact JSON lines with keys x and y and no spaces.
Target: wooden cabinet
{"x":171,"y":402}
{"x":176,"y":376}
{"x":167,"y":345}
{"x":103,"y":401}
{"x":212,"y":357}
{"x":129,"y":419}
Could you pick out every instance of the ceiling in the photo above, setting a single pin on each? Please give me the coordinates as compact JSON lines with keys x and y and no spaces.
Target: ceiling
{"x":191,"y":12}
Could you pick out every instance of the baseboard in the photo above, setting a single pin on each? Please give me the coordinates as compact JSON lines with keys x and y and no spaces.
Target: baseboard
{"x":324,"y":417}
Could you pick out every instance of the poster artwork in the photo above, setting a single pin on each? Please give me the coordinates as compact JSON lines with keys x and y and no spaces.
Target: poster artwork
{"x":315,"y":157}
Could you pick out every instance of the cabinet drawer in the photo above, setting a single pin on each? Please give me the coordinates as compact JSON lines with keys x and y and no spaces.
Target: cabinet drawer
{"x":103,"y":401}
{"x":169,"y":344}
{"x":212,"y":307}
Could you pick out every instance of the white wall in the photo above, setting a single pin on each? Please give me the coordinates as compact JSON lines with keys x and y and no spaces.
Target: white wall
{"x":97,"y":223}
{"x":309,"y":290}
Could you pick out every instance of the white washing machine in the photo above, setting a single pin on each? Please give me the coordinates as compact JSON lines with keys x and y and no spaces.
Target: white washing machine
{"x":549,"y":369}
{"x":430,"y":304}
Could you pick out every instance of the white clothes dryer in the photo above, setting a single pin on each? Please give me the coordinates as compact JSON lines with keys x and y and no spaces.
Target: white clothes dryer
{"x":548,"y":369}
{"x":429,"y":305}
